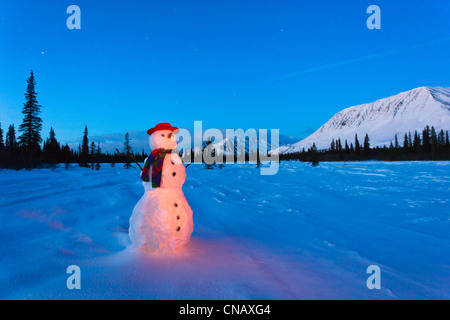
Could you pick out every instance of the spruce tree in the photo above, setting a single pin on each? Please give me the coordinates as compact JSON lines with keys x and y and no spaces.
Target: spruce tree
{"x":10,"y":141}
{"x":32,"y":123}
{"x":92,"y":154}
{"x":127,"y":150}
{"x":441,"y":139}
{"x":84,"y":150}
{"x":258,"y":159}
{"x":52,"y":148}
{"x":52,"y":137}
{"x":205,"y":145}
{"x":426,"y":142}
{"x":127,"y":144}
{"x":417,"y":142}
{"x":357,"y":145}
{"x":405,"y":143}
{"x":410,"y":141}
{"x":2,"y":146}
{"x":447,"y":141}
{"x":433,"y":140}
{"x":66,"y":155}
{"x":366,"y":144}
{"x":98,"y":154}
{"x":313,"y":156}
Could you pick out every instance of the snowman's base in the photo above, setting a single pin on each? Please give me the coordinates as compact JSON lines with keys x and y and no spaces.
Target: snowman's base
{"x":161,"y":221}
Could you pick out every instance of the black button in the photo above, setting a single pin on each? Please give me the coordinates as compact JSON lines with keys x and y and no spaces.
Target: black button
{"x":178,"y":229}
{"x":178,"y":217}
{"x":173,"y":162}
{"x":175,"y":204}
{"x":174,"y":174}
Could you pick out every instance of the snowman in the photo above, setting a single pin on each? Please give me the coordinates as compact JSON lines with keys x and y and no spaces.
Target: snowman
{"x":162,"y":219}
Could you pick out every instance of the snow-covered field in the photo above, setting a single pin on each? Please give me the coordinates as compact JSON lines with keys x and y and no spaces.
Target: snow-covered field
{"x":303,"y":233}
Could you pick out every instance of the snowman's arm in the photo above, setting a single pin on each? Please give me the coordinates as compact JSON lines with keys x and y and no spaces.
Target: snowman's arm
{"x":130,"y":155}
{"x":142,"y":170}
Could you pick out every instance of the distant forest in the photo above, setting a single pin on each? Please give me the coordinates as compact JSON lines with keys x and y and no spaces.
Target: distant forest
{"x":429,"y":145}
{"x":29,"y":150}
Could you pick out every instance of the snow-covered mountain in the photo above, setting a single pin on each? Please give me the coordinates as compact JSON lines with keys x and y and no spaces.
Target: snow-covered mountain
{"x":383,"y":119}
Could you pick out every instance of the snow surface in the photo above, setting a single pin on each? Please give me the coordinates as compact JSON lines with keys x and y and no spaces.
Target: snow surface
{"x":383,"y":119}
{"x":303,"y":233}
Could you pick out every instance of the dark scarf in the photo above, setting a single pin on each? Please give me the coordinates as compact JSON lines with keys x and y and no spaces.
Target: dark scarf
{"x":154,"y":160}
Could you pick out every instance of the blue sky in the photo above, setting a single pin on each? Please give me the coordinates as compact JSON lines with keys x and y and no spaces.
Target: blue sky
{"x":288,"y":65}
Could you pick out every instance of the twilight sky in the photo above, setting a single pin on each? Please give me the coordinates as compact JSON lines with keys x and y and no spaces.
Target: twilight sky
{"x":284,"y":64}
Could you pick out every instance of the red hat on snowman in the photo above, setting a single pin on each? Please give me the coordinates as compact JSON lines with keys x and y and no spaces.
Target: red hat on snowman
{"x":162,"y":126}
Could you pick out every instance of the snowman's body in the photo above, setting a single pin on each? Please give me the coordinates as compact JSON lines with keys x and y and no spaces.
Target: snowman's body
{"x":162,"y":219}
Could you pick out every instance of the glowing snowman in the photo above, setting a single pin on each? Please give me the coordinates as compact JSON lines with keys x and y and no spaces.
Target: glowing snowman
{"x":162,"y":219}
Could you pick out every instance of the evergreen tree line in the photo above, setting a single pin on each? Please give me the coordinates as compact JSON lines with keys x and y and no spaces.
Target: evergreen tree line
{"x":26,"y":148}
{"x":89,"y":154}
{"x":430,"y":145}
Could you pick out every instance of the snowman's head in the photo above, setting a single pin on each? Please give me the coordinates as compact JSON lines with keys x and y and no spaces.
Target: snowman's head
{"x":162,"y":139}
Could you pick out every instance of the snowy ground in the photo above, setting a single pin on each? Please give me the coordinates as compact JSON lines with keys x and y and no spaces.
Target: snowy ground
{"x":303,"y":233}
